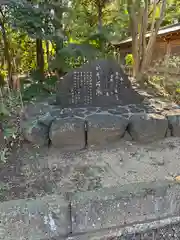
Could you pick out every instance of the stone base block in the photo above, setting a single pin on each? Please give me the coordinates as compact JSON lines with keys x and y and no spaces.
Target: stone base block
{"x":105,"y":128}
{"x":68,"y":133}
{"x":148,"y":127}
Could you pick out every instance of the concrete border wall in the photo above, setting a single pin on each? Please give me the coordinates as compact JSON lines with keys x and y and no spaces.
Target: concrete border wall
{"x":103,"y":214}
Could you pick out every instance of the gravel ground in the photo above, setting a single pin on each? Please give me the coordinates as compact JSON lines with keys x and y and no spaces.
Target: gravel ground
{"x":38,"y":171}
{"x":120,"y":163}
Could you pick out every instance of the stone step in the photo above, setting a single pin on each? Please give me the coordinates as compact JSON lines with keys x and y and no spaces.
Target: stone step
{"x":124,"y":205}
{"x":168,"y":229}
{"x":42,"y":218}
{"x":118,"y":213}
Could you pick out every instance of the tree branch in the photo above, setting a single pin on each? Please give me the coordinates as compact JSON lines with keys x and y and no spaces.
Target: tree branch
{"x":152,"y":9}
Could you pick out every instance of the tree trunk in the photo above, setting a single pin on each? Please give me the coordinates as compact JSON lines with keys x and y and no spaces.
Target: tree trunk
{"x":6,"y":51}
{"x":40,"y":57}
{"x":2,"y":62}
{"x":47,"y":51}
{"x":141,"y":48}
{"x":58,"y":15}
{"x":99,"y":17}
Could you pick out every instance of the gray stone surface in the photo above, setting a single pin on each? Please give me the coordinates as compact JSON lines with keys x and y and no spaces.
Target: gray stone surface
{"x":67,"y":133}
{"x":99,"y":83}
{"x":119,"y":110}
{"x":143,"y":127}
{"x":117,"y":206}
{"x":42,"y":218}
{"x":147,"y":127}
{"x":35,"y":110}
{"x":147,"y":211}
{"x":127,"y":136}
{"x":35,"y":132}
{"x":36,"y":119}
{"x":174,"y":122}
{"x":104,"y":128}
{"x":149,"y":120}
{"x":136,"y":108}
{"x":166,"y":229}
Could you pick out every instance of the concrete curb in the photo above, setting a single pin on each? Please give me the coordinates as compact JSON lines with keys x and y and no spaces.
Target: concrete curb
{"x":120,"y":206}
{"x":122,"y":232}
{"x":45,"y":217}
{"x":102,"y":214}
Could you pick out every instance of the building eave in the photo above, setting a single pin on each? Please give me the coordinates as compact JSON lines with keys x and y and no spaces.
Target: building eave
{"x":166,"y":31}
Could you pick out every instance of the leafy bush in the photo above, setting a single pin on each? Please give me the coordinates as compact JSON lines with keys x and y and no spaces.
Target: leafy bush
{"x":167,"y":76}
{"x":173,"y":62}
{"x":129,"y":59}
{"x":36,"y":87}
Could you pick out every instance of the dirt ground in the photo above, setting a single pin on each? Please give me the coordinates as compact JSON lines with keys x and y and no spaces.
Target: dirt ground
{"x":33,"y":171}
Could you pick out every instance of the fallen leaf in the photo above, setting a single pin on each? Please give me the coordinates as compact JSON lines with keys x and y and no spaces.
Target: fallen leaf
{"x":177,"y":178}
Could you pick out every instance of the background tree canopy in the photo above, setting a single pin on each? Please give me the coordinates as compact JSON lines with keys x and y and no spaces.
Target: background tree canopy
{"x":48,"y":35}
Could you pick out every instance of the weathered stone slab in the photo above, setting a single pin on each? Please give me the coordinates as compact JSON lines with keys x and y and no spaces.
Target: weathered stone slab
{"x":104,"y":128}
{"x":35,"y":110}
{"x":174,"y":122}
{"x":127,"y":204}
{"x":99,"y":83}
{"x":147,"y":127}
{"x":166,"y":229}
{"x":35,"y":121}
{"x":68,"y":133}
{"x":38,"y":219}
{"x":127,"y":136}
{"x":35,"y":132}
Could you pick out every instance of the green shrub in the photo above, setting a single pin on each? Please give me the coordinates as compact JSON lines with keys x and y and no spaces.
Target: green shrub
{"x":129,"y":59}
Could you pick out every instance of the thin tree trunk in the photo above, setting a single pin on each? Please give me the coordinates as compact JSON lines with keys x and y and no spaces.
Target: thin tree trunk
{"x":2,"y":63}
{"x":6,"y":51}
{"x":58,"y":45}
{"x":40,"y":57}
{"x":154,"y":31}
{"x":58,"y":27}
{"x":142,"y":51}
{"x":99,"y":17}
{"x":47,"y":51}
{"x":134,"y":33}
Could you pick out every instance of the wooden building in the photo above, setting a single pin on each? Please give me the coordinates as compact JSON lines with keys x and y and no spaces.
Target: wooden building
{"x":167,"y":43}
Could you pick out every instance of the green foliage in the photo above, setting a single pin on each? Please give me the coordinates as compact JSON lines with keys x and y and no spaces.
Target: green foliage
{"x":32,"y":91}
{"x":167,"y":77}
{"x":172,"y":12}
{"x":31,"y":18}
{"x":83,"y":20}
{"x":129,"y":59}
{"x":36,"y":88}
{"x":3,"y":74}
{"x":4,"y":113}
{"x":19,"y":46}
{"x":75,"y":54}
